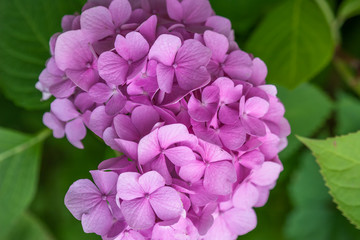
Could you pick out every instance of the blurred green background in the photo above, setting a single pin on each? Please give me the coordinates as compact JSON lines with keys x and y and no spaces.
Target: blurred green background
{"x":312,"y":49}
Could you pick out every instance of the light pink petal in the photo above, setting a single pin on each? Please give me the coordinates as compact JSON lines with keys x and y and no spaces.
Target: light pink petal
{"x":151,"y":181}
{"x":165,"y":77}
{"x":54,"y":124}
{"x":75,"y":132}
{"x":240,"y":221}
{"x":210,"y":94}
{"x":64,"y":109}
{"x":166,"y":203}
{"x":219,"y":178}
{"x":99,"y":120}
{"x":62,"y":89}
{"x":99,"y":220}
{"x":83,"y":78}
{"x":109,"y":136}
{"x":128,"y":186}
{"x":214,"y":153}
{"x":271,"y":146}
{"x":259,"y":72}
{"x":193,"y":54}
{"x":72,"y":50}
{"x":125,"y":129}
{"x":115,"y":104}
{"x":266,"y":175}
{"x":191,"y":79}
{"x":165,"y":48}
{"x":218,"y":44}
{"x":192,"y":172}
{"x":148,"y":147}
{"x":174,"y":10}
{"x":256,"y":107}
{"x":81,"y":197}
{"x":171,"y":134}
{"x":144,"y":125}
{"x":133,"y":47}
{"x":263,"y":196}
{"x":180,"y":156}
{"x":219,"y":231}
{"x":196,"y":11}
{"x":138,"y":213}
{"x":100,"y":93}
{"x":232,"y":136}
{"x":238,"y":65}
{"x":229,"y":93}
{"x":219,"y":24}
{"x":113,"y":68}
{"x":120,"y":11}
{"x":97,"y":22}
{"x":253,"y":126}
{"x":105,"y":181}
{"x":129,"y":148}
{"x":252,"y":160}
{"x":245,"y":196}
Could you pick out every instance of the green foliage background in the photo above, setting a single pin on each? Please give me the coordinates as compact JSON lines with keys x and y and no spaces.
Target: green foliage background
{"x":312,"y":49}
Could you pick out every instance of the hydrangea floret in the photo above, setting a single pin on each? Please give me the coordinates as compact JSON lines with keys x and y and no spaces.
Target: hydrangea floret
{"x":164,"y":83}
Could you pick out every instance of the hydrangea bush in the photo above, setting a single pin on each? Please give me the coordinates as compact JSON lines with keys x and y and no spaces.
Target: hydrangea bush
{"x":164,"y":83}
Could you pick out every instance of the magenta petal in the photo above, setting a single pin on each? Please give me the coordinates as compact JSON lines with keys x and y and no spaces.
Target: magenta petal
{"x":193,"y":171}
{"x":190,"y":79}
{"x":219,"y":178}
{"x":174,"y":10}
{"x":196,"y":11}
{"x":62,"y":89}
{"x":138,"y":213}
{"x":151,"y":181}
{"x":99,"y":220}
{"x":228,"y":115}
{"x":115,"y":104}
{"x":97,"y":22}
{"x":99,"y":120}
{"x":105,"y":181}
{"x":125,"y":129}
{"x":180,"y":156}
{"x":266,"y":175}
{"x":232,"y":136}
{"x":148,"y":28}
{"x":193,"y":54}
{"x":100,"y":93}
{"x":83,"y":78}
{"x":120,"y":11}
{"x":166,"y":203}
{"x":160,"y":165}
{"x":144,"y":125}
{"x":148,"y":147}
{"x":253,"y":126}
{"x":54,"y":124}
{"x":82,"y":196}
{"x":219,"y":24}
{"x":240,"y":221}
{"x":64,"y":109}
{"x":129,"y":148}
{"x":133,"y":47}
{"x":171,"y":134}
{"x":252,"y":160}
{"x":229,"y":93}
{"x":113,"y":68}
{"x":165,"y":77}
{"x":259,"y":72}
{"x":75,"y":132}
{"x":238,"y":65}
{"x":128,"y":187}
{"x":245,"y":196}
{"x":218,"y":44}
{"x":165,"y":48}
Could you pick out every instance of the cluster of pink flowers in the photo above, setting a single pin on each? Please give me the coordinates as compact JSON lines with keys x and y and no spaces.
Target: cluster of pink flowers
{"x":164,"y":83}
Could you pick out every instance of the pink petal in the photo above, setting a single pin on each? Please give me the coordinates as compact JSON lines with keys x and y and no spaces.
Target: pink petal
{"x":191,"y":79}
{"x":133,"y":47}
{"x":144,"y":125}
{"x":240,"y":221}
{"x":228,"y":114}
{"x":84,"y":78}
{"x":151,"y":181}
{"x":83,"y":102}
{"x":256,"y":107}
{"x":112,"y":68}
{"x":128,"y":187}
{"x":138,"y":213}
{"x":75,"y":132}
{"x":199,"y":111}
{"x":232,"y":136}
{"x":214,"y":153}
{"x":218,"y":44}
{"x":97,"y":22}
{"x":166,"y":203}
{"x":99,"y":120}
{"x":252,"y":160}
{"x":165,"y":48}
{"x":196,"y":11}
{"x":64,"y":109}
{"x":266,"y":175}
{"x":160,"y":165}
{"x":62,"y":89}
{"x":171,"y":134}
{"x":193,"y":54}
{"x":105,"y":181}
{"x":210,"y":94}
{"x":245,"y":196}
{"x":180,"y":156}
{"x":82,"y":196}
{"x":100,"y":93}
{"x":99,"y":220}
{"x":129,"y":148}
{"x":120,"y":11}
{"x":229,"y":93}
{"x":148,"y":147}
{"x":253,"y":126}
{"x":193,"y":171}
{"x":125,"y":129}
{"x":165,"y":77}
{"x":54,"y":124}
{"x":238,"y":65}
{"x":148,"y":28}
{"x":259,"y":72}
{"x":219,"y":24}
{"x":115,"y":104}
{"x":174,"y":10}
{"x":219,"y":178}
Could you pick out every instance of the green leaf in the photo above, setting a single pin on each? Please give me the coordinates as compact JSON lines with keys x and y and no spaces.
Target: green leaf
{"x":348,"y":9}
{"x":307,"y":108}
{"x":295,"y":41}
{"x":340,"y":166}
{"x":25,"y":29}
{"x":28,"y":227}
{"x":19,"y":167}
{"x":348,"y":114}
